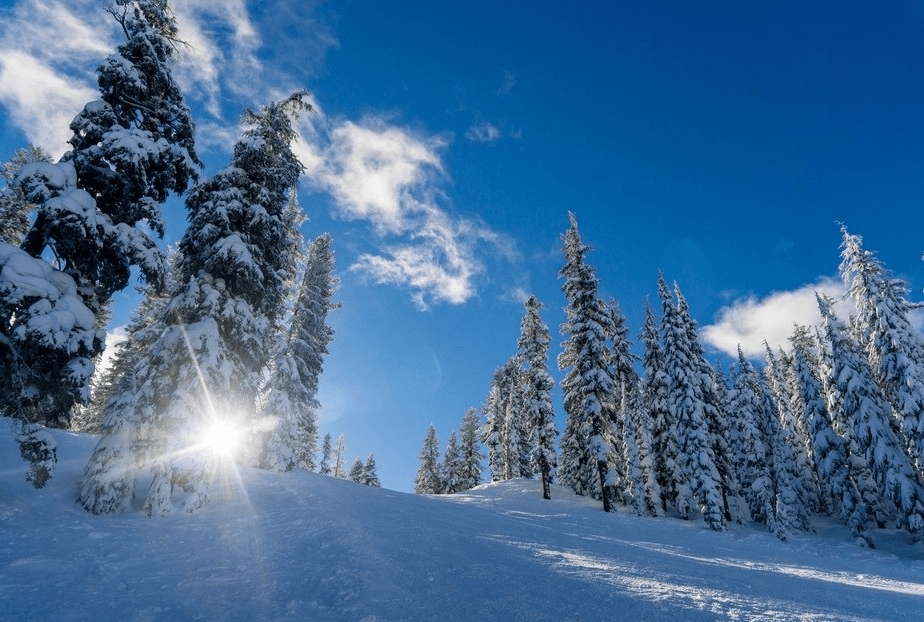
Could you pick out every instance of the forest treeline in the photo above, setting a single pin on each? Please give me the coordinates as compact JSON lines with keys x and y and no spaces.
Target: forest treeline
{"x":832,"y":425}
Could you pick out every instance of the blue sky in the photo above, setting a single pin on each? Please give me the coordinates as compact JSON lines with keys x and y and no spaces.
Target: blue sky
{"x":719,"y":142}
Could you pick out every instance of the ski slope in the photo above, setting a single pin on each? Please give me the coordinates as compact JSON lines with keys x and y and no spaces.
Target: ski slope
{"x":300,"y":546}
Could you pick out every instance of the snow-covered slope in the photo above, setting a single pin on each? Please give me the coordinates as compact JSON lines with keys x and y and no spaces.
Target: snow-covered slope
{"x":300,"y":546}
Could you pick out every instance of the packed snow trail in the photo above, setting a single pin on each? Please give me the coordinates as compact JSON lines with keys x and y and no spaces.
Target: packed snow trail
{"x":299,"y":546}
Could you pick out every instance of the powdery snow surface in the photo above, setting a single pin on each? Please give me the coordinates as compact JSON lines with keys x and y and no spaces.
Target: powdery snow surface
{"x":300,"y":546}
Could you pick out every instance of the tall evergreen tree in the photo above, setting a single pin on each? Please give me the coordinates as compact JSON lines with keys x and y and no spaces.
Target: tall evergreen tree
{"x":503,"y":422}
{"x":655,"y":402}
{"x":469,"y":450}
{"x":292,"y":388}
{"x":207,"y":361}
{"x":893,"y":345}
{"x":96,"y":208}
{"x":837,"y":490}
{"x":632,"y":426}
{"x":791,"y":465}
{"x":533,"y":352}
{"x":588,"y":386}
{"x":751,"y":448}
{"x":867,"y":412}
{"x":429,"y":480}
{"x":699,"y":483}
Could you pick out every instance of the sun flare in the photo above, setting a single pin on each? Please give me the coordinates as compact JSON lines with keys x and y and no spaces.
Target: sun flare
{"x":221,"y":438}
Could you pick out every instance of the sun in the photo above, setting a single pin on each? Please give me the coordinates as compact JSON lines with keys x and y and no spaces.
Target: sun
{"x":221,"y":438}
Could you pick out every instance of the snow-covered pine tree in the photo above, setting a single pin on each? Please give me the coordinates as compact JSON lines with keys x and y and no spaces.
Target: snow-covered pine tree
{"x":625,"y":384}
{"x":751,"y":451}
{"x":502,"y":421}
{"x":716,"y":425}
{"x":790,"y":462}
{"x":15,"y":210}
{"x":452,"y":465}
{"x":893,"y":345}
{"x":802,"y":428}
{"x":291,"y":391}
{"x":469,"y":451}
{"x":205,"y":367}
{"x":858,"y":468}
{"x":339,"y":463}
{"x":371,"y":473}
{"x":533,"y":353}
{"x":838,"y":493}
{"x":655,"y":403}
{"x":357,"y":470}
{"x":324,"y":468}
{"x":142,"y":331}
{"x":699,"y":483}
{"x":588,"y":386}
{"x":44,"y":361}
{"x":429,"y":480}
{"x":96,"y":208}
{"x":867,"y":412}
{"x":632,"y":426}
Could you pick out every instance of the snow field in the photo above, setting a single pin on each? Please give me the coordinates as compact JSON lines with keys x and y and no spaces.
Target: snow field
{"x":300,"y":546}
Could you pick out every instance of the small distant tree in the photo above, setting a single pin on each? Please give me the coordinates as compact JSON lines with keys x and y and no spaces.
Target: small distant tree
{"x":452,"y":466}
{"x":324,"y":468}
{"x":370,"y":473}
{"x":504,"y":421}
{"x":357,"y":470}
{"x":470,"y":454}
{"x":429,"y":480}
{"x":339,"y":468}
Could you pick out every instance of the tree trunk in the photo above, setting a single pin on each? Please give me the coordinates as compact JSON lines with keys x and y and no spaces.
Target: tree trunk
{"x":546,"y":488}
{"x":601,"y":469}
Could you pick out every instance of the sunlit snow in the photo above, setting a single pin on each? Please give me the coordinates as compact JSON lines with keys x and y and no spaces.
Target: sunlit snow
{"x":300,"y":546}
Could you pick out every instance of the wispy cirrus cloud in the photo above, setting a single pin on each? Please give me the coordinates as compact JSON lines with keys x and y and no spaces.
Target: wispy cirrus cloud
{"x":48,"y":56}
{"x":390,"y":178}
{"x":749,"y":322}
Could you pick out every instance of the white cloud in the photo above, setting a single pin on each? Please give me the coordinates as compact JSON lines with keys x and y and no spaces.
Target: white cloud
{"x":751,"y":321}
{"x":387,"y":176}
{"x":221,"y":50}
{"x":49,"y":52}
{"x":483,"y":132}
{"x":380,"y":173}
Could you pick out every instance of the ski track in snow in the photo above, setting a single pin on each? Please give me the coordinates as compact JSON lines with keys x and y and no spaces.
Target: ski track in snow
{"x":300,"y":546}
